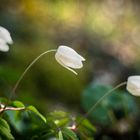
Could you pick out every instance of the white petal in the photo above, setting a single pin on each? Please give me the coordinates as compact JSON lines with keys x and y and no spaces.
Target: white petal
{"x":61,"y":63}
{"x":5,"y":35}
{"x":133,"y":85}
{"x":4,"y":48}
{"x":67,"y":51}
{"x":69,"y":57}
{"x":69,"y":61}
{"x":82,"y":58}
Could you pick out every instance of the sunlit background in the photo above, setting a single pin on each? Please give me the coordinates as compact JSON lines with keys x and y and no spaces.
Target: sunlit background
{"x":105,"y":32}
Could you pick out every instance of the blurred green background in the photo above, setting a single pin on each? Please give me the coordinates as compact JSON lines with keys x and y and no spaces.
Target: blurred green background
{"x":105,"y":32}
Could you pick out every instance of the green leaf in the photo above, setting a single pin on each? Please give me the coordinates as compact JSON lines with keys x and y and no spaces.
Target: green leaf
{"x":62,"y":122}
{"x":17,"y":104}
{"x":58,"y":114}
{"x":3,"y":100}
{"x":69,"y":133}
{"x":85,"y":127}
{"x":116,"y":101}
{"x":60,"y":135}
{"x":60,"y":118}
{"x":4,"y":124}
{"x":88,"y":125}
{"x":33,"y":109}
{"x":5,"y":132}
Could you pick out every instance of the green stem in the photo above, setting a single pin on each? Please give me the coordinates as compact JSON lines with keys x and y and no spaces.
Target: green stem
{"x":28,"y":67}
{"x":99,"y":101}
{"x":24,"y":72}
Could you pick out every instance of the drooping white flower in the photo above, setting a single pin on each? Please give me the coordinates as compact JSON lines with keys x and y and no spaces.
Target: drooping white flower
{"x":5,"y":39}
{"x":3,"y":46}
{"x":69,"y":58}
{"x":133,"y":85}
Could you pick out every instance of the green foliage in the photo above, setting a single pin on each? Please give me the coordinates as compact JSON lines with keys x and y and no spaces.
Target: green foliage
{"x":34,"y":110}
{"x":60,"y":135}
{"x":3,"y":100}
{"x":116,"y":105}
{"x":5,"y":132}
{"x":85,"y":129}
{"x":69,"y":134}
{"x":60,"y":118}
{"x":29,"y":124}
{"x":17,"y":104}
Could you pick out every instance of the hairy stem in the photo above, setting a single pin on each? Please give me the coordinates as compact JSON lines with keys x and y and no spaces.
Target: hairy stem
{"x":99,"y":101}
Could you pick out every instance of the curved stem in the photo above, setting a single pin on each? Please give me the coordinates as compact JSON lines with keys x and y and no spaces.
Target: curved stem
{"x":28,"y":67}
{"x":99,"y":101}
{"x":24,"y":72}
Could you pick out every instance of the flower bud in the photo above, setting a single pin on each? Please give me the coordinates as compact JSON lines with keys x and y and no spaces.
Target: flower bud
{"x":133,"y":85}
{"x":5,"y":39}
{"x":69,"y":58}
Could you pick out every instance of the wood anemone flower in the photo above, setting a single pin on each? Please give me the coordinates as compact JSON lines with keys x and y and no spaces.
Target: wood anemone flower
{"x":5,"y":39}
{"x":69,"y":58}
{"x":133,"y":85}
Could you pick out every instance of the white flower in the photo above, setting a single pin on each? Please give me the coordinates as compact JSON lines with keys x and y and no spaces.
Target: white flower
{"x":5,"y":39}
{"x":69,"y":58}
{"x":133,"y":85}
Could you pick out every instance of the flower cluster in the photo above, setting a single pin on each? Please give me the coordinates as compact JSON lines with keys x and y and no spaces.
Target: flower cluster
{"x":69,"y":59}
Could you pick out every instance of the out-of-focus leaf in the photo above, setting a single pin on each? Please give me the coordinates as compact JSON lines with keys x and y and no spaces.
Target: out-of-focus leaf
{"x":58,"y":114}
{"x":60,"y":135}
{"x":86,"y":123}
{"x":85,"y":128}
{"x":62,"y":122}
{"x":45,"y":135}
{"x":17,"y":104}
{"x":60,"y":118}
{"x":4,"y":124}
{"x":117,"y":101}
{"x":15,"y":119}
{"x":69,"y":133}
{"x":90,"y":96}
{"x":3,"y":100}
{"x":5,"y":132}
{"x":33,"y":109}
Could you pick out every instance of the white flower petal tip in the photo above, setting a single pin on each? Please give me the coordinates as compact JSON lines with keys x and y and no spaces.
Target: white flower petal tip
{"x":5,"y":35}
{"x":133,"y":85}
{"x":69,"y":58}
{"x":5,"y":38}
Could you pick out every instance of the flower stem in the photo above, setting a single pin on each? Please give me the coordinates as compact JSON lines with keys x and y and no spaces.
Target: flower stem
{"x":23,"y":74}
{"x":28,"y":67}
{"x":99,"y":101}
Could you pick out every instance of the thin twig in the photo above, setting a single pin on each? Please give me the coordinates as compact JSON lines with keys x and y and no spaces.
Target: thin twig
{"x":11,"y":108}
{"x":28,"y":67}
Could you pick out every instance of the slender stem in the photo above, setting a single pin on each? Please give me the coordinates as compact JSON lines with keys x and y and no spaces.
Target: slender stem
{"x":99,"y":101}
{"x":23,"y":74}
{"x":28,"y":67}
